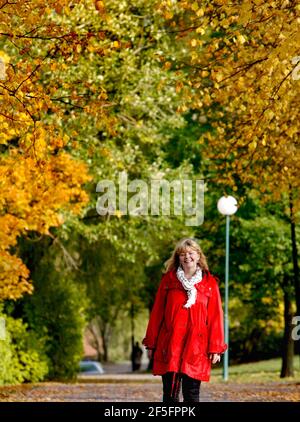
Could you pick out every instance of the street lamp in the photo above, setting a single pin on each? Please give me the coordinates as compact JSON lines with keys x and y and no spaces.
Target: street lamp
{"x":227,"y":205}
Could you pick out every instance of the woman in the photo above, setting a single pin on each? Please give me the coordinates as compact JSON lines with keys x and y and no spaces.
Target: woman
{"x":185,"y":332}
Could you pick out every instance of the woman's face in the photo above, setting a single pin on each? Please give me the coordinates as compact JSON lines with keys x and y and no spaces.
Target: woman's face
{"x":189,"y":258}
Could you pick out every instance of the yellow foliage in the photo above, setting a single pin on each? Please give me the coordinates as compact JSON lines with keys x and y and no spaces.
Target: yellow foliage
{"x":40,"y":183}
{"x":4,"y":57}
{"x":251,"y":71}
{"x":267,"y":300}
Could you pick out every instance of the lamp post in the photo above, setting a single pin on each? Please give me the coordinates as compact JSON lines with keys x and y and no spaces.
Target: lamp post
{"x":227,"y":205}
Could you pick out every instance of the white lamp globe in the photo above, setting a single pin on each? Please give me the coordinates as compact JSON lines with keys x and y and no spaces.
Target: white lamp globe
{"x":227,"y":205}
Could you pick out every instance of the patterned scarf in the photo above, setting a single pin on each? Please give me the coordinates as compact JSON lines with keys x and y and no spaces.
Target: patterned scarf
{"x":189,"y":285}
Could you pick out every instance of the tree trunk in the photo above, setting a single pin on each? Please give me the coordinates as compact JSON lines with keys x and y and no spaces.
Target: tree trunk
{"x":97,"y":343}
{"x":287,"y":368}
{"x":294,"y":250}
{"x":105,"y":342}
{"x":105,"y":350}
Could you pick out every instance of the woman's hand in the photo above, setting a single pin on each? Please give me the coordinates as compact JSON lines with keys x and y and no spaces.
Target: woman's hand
{"x":214,"y":357}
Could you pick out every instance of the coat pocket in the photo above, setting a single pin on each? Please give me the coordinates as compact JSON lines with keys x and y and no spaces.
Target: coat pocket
{"x":197,"y":346}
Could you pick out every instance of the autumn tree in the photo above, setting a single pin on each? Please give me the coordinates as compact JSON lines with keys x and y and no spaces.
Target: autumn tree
{"x":99,"y":93}
{"x":142,"y":101}
{"x":243,"y":66}
{"x":41,"y":182}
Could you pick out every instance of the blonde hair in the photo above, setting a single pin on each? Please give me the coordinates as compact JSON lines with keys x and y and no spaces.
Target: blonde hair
{"x":173,"y":262}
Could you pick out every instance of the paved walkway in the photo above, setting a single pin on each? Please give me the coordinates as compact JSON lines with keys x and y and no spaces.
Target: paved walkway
{"x":118,"y":384}
{"x":145,"y":392}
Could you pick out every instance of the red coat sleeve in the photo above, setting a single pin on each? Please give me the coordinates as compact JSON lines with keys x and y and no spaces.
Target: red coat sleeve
{"x":215,"y":321}
{"x":156,"y":316}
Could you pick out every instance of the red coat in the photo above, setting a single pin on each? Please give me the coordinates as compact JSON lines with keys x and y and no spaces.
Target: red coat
{"x":183,"y":337}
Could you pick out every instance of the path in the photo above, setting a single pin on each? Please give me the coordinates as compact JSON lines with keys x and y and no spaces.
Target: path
{"x":146,"y":392}
{"x":119,"y":385}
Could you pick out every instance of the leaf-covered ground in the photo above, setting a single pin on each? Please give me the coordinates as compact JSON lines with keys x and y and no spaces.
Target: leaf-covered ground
{"x":147,"y":392}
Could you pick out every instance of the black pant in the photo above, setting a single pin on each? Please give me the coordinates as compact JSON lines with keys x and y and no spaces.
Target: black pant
{"x":171,"y":388}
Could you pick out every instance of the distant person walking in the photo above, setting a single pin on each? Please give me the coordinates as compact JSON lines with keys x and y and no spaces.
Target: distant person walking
{"x":185,"y":332}
{"x":136,"y":357}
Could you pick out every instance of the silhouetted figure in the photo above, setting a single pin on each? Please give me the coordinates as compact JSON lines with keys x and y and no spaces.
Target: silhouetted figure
{"x":136,"y":357}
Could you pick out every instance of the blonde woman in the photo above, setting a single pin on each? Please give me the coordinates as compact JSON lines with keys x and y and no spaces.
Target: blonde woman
{"x":185,"y":332}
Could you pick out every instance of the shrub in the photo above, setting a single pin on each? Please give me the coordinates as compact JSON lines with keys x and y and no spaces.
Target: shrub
{"x":23,"y":357}
{"x":57,"y":309}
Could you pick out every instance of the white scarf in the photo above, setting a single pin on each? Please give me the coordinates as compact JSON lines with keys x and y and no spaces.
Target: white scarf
{"x":189,"y":285}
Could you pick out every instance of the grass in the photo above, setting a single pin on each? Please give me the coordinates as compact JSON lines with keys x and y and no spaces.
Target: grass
{"x":262,"y":371}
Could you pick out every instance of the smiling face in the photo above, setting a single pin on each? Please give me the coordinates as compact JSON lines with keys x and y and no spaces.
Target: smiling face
{"x":188,"y":259}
